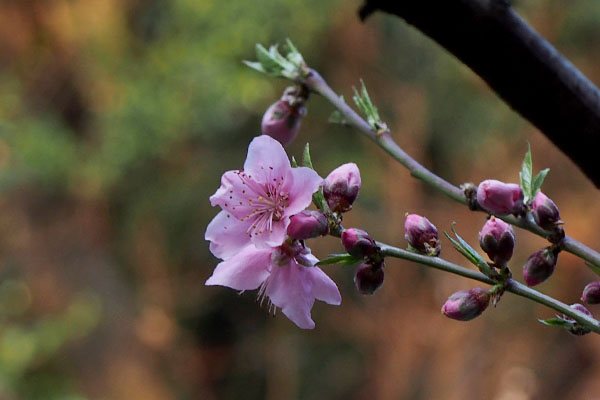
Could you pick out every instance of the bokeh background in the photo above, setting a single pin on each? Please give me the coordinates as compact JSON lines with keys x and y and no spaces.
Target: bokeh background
{"x":117,"y":119}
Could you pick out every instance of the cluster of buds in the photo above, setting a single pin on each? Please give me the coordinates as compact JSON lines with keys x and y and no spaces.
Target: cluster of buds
{"x":497,"y":239}
{"x":540,"y":265}
{"x":369,"y":274}
{"x":500,"y":198}
{"x":422,"y":235}
{"x":282,"y":119}
{"x":465,"y":305}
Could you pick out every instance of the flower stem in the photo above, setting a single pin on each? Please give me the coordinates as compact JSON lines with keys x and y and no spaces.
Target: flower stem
{"x":317,"y":84}
{"x":510,"y":285}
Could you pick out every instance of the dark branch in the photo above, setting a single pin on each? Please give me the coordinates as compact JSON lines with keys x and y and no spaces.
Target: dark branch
{"x":516,"y":62}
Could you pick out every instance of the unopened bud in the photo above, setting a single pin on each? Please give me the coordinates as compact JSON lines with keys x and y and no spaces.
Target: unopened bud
{"x":308,"y":224}
{"x":282,"y":120}
{"x":341,"y":187}
{"x":539,"y":266}
{"x":591,"y":293}
{"x":497,"y":239}
{"x":369,"y":277}
{"x":577,"y":329}
{"x":545,"y":213}
{"x":465,"y":305}
{"x":422,"y":235}
{"x":500,"y":198}
{"x":358,"y":243}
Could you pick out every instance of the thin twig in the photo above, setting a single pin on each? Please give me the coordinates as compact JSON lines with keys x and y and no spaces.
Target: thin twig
{"x":317,"y":84}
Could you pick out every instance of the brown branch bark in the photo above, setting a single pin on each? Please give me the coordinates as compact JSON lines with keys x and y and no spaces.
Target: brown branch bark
{"x":517,"y":63}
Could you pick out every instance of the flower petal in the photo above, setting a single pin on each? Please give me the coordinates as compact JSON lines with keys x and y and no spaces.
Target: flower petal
{"x":237,"y":194}
{"x":227,"y":235}
{"x":303,"y":183}
{"x":244,"y":271}
{"x":267,"y":161}
{"x":323,"y":287}
{"x":289,"y":288}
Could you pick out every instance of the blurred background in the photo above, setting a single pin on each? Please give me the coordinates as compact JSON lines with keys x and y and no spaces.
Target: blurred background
{"x":117,"y":119}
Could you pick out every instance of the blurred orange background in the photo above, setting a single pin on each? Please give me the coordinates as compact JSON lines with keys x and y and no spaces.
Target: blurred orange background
{"x":117,"y":119}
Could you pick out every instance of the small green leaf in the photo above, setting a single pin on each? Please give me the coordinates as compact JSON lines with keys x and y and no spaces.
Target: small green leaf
{"x":255,"y":65}
{"x":366,"y":106}
{"x":294,"y":162}
{"x":559,"y":322}
{"x":469,"y":252}
{"x":538,"y":181}
{"x":526,"y":174}
{"x":306,"y":161}
{"x":267,"y":60}
{"x":344,"y":259}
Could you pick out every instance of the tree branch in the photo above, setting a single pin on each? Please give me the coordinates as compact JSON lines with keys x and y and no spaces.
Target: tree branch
{"x":517,"y":63}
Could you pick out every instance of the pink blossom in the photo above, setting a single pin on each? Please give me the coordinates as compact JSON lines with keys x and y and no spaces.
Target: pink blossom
{"x":258,"y":201}
{"x":286,"y":275}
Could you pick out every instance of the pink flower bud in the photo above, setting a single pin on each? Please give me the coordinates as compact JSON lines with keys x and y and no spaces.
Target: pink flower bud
{"x":500,"y":198}
{"x":465,"y":305}
{"x":545,"y":212}
{"x":497,"y":239}
{"x":282,"y":121}
{"x":341,"y":187}
{"x":577,"y":329}
{"x":422,"y":235}
{"x":358,"y":243}
{"x":369,"y":277}
{"x":591,"y":293}
{"x":539,"y":266}
{"x":308,"y":224}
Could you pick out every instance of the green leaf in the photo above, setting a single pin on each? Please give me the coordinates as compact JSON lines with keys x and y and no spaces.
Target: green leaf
{"x":526,"y":174}
{"x":271,"y":61}
{"x":469,"y":252}
{"x":294,"y":162}
{"x":344,"y":259}
{"x":366,"y":106}
{"x":255,"y":65}
{"x":294,"y":55}
{"x":559,"y":322}
{"x":537,"y":182}
{"x":267,"y":60}
{"x":306,"y":161}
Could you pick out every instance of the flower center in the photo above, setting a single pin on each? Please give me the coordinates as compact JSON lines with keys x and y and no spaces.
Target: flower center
{"x":269,"y":206}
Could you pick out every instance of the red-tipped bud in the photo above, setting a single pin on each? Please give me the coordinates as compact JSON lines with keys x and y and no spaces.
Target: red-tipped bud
{"x":341,"y":187}
{"x":591,"y":293}
{"x":545,"y":212}
{"x":465,"y":305}
{"x":308,"y":224}
{"x":282,"y":120}
{"x":369,"y":277}
{"x":422,"y":235}
{"x":358,"y":243}
{"x":577,"y":329}
{"x":539,"y":266}
{"x":500,"y":198}
{"x":497,"y":239}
